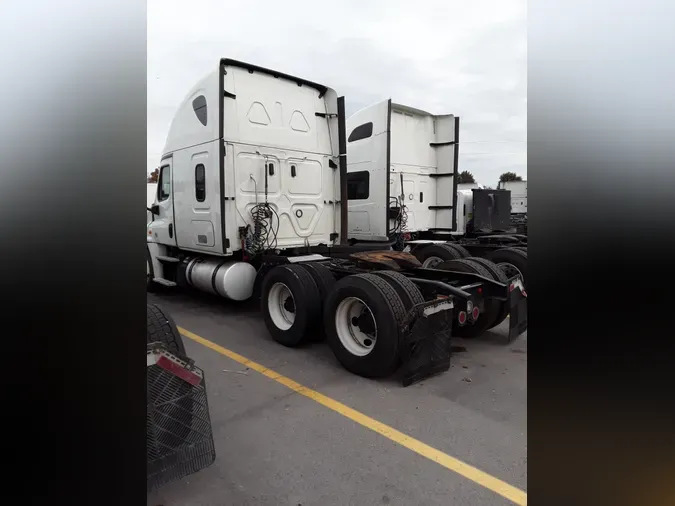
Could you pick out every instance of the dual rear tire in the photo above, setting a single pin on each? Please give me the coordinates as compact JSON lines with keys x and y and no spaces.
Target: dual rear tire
{"x":511,"y":261}
{"x":435,"y":254}
{"x":360,"y":315}
{"x":362,"y":318}
{"x":291,"y":304}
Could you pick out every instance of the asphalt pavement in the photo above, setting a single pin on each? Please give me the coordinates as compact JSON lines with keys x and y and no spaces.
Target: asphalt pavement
{"x":275,"y":446}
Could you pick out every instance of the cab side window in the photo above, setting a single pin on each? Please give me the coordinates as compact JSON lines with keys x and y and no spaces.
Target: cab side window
{"x":361,"y":132}
{"x":358,"y":185}
{"x":164,"y":186}
{"x":200,"y":183}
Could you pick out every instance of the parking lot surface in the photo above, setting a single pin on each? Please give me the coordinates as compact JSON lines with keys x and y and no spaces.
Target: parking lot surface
{"x":275,"y":446}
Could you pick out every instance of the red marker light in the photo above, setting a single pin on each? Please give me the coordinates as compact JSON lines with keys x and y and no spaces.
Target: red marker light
{"x":475,"y":313}
{"x":462,"y":317}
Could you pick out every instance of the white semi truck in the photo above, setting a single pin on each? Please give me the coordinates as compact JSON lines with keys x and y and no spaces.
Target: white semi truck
{"x":403,"y":191}
{"x":518,"y":191}
{"x":249,"y":204}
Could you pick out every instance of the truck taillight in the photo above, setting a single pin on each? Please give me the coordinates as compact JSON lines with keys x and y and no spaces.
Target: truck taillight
{"x":475,"y":313}
{"x":462,"y":317}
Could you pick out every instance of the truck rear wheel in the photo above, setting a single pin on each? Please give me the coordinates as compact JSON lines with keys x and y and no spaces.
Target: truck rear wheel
{"x":434,"y":254}
{"x":464,"y":252}
{"x":490,"y":310}
{"x":290,"y":304}
{"x":325,"y":281}
{"x":407,"y":290}
{"x":362,"y":318}
{"x":512,"y":261}
{"x":497,"y":275}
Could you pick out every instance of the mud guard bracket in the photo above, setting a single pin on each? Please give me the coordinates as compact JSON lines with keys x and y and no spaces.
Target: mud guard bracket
{"x":518,"y":309}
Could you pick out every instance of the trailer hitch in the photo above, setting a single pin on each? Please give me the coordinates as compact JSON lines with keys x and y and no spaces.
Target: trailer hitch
{"x":425,"y":344}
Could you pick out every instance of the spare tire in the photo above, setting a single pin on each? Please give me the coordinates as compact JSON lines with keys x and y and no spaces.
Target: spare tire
{"x":513,"y":261}
{"x":435,"y":254}
{"x":491,"y":309}
{"x":175,"y":415}
{"x":363,"y":317}
{"x":161,"y":328}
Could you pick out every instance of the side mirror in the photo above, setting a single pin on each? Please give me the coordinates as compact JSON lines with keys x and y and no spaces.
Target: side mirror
{"x":154,"y":209}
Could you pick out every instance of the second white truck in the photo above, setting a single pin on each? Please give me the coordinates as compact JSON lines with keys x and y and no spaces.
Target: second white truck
{"x":403,"y":191}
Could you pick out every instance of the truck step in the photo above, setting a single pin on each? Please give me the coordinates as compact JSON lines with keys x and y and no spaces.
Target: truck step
{"x":167,"y":259}
{"x":164,"y":282}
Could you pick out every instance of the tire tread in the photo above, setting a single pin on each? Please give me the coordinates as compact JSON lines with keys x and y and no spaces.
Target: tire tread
{"x":161,"y":328}
{"x":406,"y":287}
{"x":462,"y":250}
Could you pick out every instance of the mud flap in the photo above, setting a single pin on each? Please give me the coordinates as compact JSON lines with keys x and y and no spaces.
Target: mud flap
{"x":518,"y":309}
{"x":425,"y":349}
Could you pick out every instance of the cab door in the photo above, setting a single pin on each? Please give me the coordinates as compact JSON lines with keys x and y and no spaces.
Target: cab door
{"x":163,"y":227}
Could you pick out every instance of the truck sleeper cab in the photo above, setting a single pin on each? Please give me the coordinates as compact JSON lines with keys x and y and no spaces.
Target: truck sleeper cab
{"x":249,"y":201}
{"x":402,"y":173}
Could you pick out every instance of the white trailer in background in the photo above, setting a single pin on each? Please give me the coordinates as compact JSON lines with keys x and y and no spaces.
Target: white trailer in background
{"x":403,"y":190}
{"x":518,"y":191}
{"x":469,"y":186}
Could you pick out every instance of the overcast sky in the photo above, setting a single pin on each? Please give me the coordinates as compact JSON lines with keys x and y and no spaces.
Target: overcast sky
{"x":467,"y":58}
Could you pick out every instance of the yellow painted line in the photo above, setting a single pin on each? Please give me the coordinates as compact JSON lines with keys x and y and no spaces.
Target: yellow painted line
{"x":498,"y":486}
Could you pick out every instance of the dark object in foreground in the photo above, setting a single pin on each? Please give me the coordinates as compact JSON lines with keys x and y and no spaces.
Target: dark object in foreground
{"x":179,"y":440}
